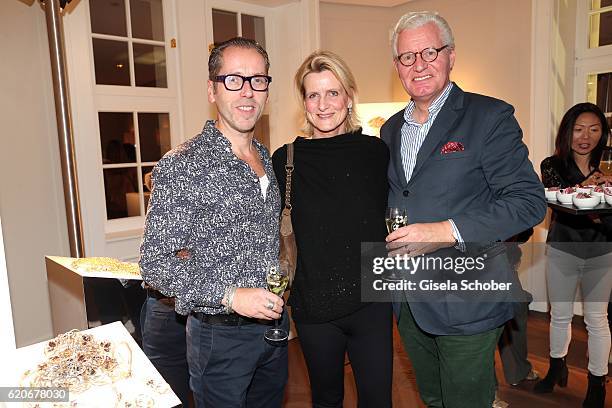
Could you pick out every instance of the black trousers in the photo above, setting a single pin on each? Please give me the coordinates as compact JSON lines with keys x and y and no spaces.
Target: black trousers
{"x":366,"y":335}
{"x":164,"y":343}
{"x":513,"y":345}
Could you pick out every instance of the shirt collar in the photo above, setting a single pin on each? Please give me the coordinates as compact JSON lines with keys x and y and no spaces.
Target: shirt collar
{"x":433,"y":109}
{"x":221,"y":143}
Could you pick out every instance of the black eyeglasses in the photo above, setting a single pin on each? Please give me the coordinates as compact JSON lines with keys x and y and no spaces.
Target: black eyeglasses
{"x":235,"y":82}
{"x":428,"y":55}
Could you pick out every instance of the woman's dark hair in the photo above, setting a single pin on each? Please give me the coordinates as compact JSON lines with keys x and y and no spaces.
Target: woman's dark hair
{"x":563,"y":142}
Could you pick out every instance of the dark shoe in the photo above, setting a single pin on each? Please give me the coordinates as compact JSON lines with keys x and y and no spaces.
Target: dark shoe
{"x":557,"y":375}
{"x":532,"y":375}
{"x":596,"y":393}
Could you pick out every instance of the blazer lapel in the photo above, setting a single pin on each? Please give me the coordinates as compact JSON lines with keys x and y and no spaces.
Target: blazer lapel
{"x":440,"y":130}
{"x":397,"y":147}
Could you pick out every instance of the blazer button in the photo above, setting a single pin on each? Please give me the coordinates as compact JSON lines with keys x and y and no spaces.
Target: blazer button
{"x":406,"y":193}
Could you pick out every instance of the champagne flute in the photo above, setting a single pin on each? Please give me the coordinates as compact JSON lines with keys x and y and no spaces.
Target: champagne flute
{"x":277,"y":279}
{"x":394,"y":218}
{"x":605,"y":164}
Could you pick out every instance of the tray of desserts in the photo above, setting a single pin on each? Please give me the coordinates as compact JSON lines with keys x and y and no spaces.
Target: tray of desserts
{"x":580,"y":200}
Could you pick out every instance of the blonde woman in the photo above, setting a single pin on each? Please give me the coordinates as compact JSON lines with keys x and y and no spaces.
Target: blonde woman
{"x":339,"y":196}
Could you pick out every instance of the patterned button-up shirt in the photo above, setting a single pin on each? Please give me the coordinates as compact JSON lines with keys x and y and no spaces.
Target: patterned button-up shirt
{"x":207,"y":201}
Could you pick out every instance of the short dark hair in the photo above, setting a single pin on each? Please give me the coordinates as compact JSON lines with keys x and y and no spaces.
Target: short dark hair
{"x":215,"y":60}
{"x":563,"y":142}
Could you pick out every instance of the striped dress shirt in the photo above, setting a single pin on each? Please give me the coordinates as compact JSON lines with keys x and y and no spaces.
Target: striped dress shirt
{"x":413,"y":135}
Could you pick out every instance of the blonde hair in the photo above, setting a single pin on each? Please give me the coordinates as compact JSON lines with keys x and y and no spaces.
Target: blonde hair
{"x":320,"y":61}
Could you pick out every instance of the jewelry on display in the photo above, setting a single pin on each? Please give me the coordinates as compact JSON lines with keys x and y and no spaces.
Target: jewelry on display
{"x":105,"y":264}
{"x":78,"y":361}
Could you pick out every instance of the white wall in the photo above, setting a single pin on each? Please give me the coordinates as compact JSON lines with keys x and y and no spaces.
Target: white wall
{"x":31,"y":195}
{"x":493,"y":44}
{"x":493,"y":40}
{"x":295,"y":36}
{"x":360,"y":35}
{"x":563,"y":58}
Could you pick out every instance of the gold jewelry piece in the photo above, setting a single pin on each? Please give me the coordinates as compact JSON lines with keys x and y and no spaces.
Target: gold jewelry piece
{"x":78,"y":361}
{"x":105,"y":264}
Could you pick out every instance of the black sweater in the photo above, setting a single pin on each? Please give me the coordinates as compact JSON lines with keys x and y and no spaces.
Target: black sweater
{"x":339,"y":196}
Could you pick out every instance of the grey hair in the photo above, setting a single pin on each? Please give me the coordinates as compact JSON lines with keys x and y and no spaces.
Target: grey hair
{"x":416,"y":19}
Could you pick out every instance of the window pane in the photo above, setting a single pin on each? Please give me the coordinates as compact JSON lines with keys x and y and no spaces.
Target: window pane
{"x":108,"y":17}
{"x":150,"y":65}
{"x":147,"y":19}
{"x":598,"y":4}
{"x":600,"y":32}
{"x":117,"y":137}
{"x":146,"y":176}
{"x":254,"y":28}
{"x":111,"y":62}
{"x":121,"y":189}
{"x":225,"y":25}
{"x":604,"y":91}
{"x":154,"y":135}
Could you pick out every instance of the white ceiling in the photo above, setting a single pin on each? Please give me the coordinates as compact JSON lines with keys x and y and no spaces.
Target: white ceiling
{"x":379,"y":3}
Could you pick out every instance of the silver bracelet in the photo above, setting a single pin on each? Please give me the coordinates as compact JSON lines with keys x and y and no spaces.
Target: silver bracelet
{"x":229,"y":299}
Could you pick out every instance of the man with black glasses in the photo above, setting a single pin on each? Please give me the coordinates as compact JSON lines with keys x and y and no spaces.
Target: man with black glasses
{"x":211,"y":235}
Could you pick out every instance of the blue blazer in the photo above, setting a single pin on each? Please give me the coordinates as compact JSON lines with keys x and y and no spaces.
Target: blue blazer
{"x":489,"y":189}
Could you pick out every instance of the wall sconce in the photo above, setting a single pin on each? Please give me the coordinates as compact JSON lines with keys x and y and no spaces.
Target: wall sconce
{"x":374,"y":115}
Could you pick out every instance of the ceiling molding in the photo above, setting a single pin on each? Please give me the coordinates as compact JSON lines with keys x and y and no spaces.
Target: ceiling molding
{"x":270,"y":3}
{"x":376,"y":3}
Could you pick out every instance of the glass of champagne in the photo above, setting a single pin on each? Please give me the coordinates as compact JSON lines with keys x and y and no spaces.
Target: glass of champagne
{"x":395,"y":218}
{"x":277,"y":279}
{"x":605,"y":164}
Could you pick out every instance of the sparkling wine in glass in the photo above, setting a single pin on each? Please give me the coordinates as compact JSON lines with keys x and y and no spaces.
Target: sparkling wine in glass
{"x":395,"y":218}
{"x":605,"y":164}
{"x":277,"y":279}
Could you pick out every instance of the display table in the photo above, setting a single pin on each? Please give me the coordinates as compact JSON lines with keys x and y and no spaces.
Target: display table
{"x":143,"y":383}
{"x":72,"y":290}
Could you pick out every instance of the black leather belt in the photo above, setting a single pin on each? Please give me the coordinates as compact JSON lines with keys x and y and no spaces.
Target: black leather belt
{"x":233,"y":319}
{"x":156,"y":294}
{"x":169,"y":301}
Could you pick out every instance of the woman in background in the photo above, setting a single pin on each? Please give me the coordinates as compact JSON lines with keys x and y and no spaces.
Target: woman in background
{"x":579,"y":252}
{"x":339,"y":197}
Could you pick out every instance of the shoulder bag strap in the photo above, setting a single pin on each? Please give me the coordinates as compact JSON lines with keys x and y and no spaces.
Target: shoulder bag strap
{"x":288,"y":170}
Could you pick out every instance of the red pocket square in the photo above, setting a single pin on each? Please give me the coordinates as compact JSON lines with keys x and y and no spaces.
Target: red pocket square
{"x":451,"y":147}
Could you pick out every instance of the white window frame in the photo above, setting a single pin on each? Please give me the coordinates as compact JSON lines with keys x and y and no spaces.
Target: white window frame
{"x":239,"y":8}
{"x":583,"y":12}
{"x":588,"y":60}
{"x":89,"y":98}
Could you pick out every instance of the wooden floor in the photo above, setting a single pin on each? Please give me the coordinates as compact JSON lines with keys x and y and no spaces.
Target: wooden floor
{"x":404,"y":387}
